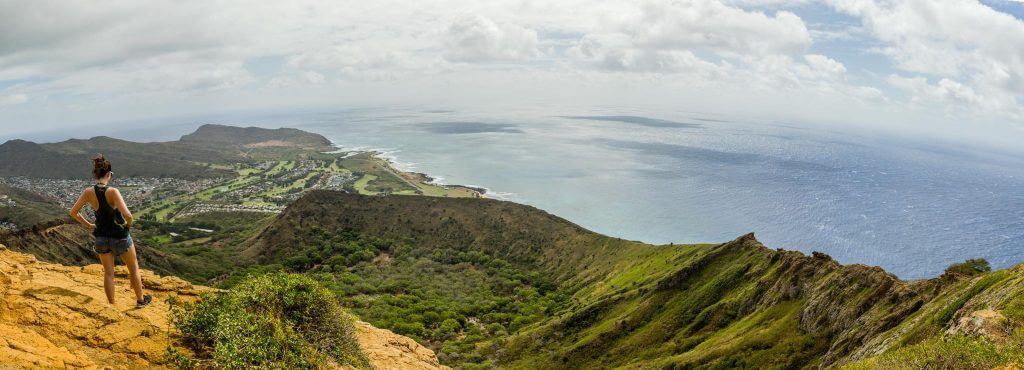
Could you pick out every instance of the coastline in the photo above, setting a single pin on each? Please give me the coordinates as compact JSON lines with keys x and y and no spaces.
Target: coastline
{"x":427,"y":179}
{"x":424,"y":183}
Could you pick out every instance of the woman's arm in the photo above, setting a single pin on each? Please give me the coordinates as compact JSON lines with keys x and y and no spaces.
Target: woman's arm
{"x":77,"y":209}
{"x":121,"y":206}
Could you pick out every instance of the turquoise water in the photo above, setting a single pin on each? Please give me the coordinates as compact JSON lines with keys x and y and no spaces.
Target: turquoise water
{"x":911,"y":207}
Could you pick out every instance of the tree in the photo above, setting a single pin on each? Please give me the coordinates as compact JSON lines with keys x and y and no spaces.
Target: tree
{"x":447,"y":329}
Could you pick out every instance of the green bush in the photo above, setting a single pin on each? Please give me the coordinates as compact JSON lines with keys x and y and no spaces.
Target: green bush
{"x":969,"y":267}
{"x":275,"y":321}
{"x":954,"y":352}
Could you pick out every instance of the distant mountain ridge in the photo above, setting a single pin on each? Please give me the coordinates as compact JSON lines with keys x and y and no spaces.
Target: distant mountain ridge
{"x":184,"y":158}
{"x":211,"y":133}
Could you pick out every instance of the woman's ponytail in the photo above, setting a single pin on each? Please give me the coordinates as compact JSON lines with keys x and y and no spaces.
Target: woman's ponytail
{"x":100,"y":166}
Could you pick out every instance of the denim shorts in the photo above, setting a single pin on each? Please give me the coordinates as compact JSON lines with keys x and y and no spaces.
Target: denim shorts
{"x":115,"y":245}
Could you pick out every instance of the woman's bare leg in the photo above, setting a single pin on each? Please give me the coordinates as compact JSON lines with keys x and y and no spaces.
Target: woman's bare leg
{"x":134,"y":277}
{"x":107,"y":259}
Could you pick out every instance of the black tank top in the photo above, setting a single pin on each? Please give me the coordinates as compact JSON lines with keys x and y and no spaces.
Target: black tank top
{"x":109,"y":221}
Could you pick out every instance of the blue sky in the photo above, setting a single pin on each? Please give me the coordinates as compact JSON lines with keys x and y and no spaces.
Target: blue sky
{"x":949,"y":68}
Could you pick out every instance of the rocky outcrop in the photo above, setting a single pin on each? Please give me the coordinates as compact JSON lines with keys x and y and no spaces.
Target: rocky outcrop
{"x":983,"y":323}
{"x":389,"y":351}
{"x":847,"y":304}
{"x":55,"y":316}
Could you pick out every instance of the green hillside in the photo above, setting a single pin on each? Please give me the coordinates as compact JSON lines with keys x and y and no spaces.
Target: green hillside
{"x":194,"y":156}
{"x":494,"y":284}
{"x":554,"y":295}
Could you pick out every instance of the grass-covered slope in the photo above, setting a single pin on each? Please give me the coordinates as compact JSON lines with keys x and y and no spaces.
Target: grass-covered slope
{"x":488,"y":284}
{"x":452,"y":283}
{"x":520,"y":234}
{"x":737,"y":304}
{"x":974,"y":322}
{"x":592,"y":301}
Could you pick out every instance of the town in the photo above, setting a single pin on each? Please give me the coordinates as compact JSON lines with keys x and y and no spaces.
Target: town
{"x":6,"y":201}
{"x":259,"y":187}
{"x":134,"y":190}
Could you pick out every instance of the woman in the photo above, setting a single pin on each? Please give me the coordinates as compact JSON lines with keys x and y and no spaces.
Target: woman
{"x":113,"y":220}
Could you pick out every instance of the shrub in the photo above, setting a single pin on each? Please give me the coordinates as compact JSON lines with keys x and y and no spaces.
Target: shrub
{"x":954,"y":352}
{"x":447,"y":329}
{"x":275,"y":320}
{"x":970,"y":267}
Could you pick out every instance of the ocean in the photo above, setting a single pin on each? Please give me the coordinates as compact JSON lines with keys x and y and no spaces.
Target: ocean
{"x":911,"y":207}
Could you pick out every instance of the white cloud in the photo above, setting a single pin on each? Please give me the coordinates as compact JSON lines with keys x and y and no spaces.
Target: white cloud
{"x":944,"y":91}
{"x":479,"y":39}
{"x":826,"y":65}
{"x":663,"y":36}
{"x":617,"y":53}
{"x":360,"y":61}
{"x":50,"y":37}
{"x":713,"y":25}
{"x":304,"y":78}
{"x":155,"y":76}
{"x":180,"y":56}
{"x":709,"y":43}
{"x":973,"y":51}
{"x":12,"y":99}
{"x":765,"y":3}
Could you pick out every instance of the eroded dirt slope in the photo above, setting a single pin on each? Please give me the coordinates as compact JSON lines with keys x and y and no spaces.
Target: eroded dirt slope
{"x":55,"y":316}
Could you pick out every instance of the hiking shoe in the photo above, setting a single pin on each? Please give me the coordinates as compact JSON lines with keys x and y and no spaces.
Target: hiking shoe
{"x":146,"y":300}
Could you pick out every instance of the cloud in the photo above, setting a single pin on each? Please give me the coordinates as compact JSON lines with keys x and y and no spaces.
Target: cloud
{"x":701,"y":24}
{"x":943,"y":91}
{"x":52,"y":37}
{"x":359,"y":60}
{"x":617,"y":52}
{"x":664,"y":36}
{"x":158,"y":75}
{"x":303,"y":78}
{"x":195,"y":56}
{"x":767,"y":3}
{"x":826,"y":65}
{"x":479,"y":39}
{"x":713,"y":45}
{"x":12,"y":99}
{"x":972,"y":51}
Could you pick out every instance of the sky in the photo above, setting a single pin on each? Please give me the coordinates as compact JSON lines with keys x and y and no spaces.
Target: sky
{"x":949,"y":69}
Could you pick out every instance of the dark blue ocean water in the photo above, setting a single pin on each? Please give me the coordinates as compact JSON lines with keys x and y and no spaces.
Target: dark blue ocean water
{"x":912,"y":207}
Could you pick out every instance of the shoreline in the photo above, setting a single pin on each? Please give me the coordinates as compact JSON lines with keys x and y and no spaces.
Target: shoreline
{"x":427,"y":179}
{"x":406,"y":172}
